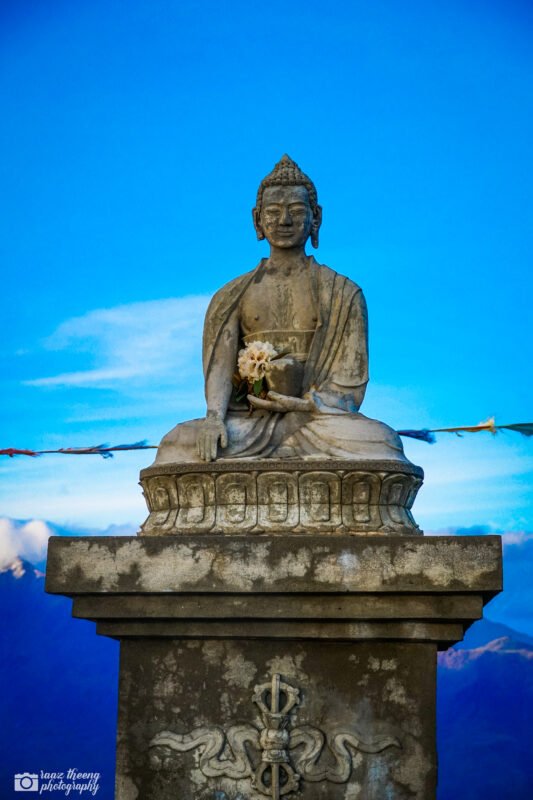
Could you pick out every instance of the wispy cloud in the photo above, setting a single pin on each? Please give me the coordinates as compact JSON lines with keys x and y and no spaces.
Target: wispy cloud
{"x":143,"y":375}
{"x":27,"y":540}
{"x":517,"y":538}
{"x":135,"y":343}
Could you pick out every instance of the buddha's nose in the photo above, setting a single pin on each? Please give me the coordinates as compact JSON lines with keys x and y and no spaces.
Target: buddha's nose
{"x":285,"y":218}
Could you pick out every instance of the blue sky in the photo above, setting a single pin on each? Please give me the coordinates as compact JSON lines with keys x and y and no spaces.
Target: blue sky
{"x":132,"y":142}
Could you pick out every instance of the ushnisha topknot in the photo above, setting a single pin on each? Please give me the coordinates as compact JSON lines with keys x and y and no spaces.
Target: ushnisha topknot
{"x":287,"y":173}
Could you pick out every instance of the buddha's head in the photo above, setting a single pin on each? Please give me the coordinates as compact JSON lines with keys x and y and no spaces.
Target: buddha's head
{"x":286,"y":211}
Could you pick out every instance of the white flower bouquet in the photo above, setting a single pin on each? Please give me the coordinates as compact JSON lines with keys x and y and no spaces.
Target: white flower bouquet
{"x":252,"y":366}
{"x":261,"y":368}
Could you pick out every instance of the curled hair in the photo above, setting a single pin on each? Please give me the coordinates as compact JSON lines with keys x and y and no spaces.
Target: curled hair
{"x":287,"y":173}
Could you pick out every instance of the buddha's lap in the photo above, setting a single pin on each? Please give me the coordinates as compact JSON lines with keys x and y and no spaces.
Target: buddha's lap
{"x":343,"y":428}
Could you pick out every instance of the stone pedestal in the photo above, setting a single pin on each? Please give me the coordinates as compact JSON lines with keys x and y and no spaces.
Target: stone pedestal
{"x":268,"y":496}
{"x":269,"y":666}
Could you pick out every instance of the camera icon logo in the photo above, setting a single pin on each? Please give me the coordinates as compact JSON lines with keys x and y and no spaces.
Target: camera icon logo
{"x":26,"y":782}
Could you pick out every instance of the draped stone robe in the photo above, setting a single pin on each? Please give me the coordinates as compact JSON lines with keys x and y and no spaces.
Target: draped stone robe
{"x":335,"y":378}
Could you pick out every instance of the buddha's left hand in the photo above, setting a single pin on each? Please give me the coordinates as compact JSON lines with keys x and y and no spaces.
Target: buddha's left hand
{"x":281,"y":402}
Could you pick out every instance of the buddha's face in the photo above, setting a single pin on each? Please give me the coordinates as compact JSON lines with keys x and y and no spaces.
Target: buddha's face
{"x":286,"y":216}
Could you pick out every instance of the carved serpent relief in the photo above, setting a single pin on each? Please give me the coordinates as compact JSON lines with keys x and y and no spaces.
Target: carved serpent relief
{"x":317,"y":500}
{"x":287,"y":754}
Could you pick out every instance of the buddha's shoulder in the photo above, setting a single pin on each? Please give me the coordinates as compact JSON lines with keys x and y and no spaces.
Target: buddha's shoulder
{"x":330,"y":276}
{"x":231,"y":291}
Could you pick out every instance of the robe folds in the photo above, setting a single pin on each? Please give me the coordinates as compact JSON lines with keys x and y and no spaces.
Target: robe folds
{"x":335,"y":378}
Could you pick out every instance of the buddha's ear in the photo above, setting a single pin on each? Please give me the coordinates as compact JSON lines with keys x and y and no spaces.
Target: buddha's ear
{"x":315,"y":225}
{"x":257,"y":223}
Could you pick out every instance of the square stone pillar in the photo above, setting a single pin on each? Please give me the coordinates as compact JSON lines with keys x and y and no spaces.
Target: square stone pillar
{"x":270,"y":666}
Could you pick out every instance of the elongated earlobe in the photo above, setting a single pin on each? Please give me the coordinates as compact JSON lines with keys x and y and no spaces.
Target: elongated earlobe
{"x":315,"y":227}
{"x":257,"y":224}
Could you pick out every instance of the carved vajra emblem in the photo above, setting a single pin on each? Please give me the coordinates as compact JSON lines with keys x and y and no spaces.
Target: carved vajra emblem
{"x":288,"y":754}
{"x":274,"y":775}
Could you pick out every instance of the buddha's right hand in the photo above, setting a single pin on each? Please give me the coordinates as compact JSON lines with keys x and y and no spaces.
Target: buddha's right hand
{"x":212,"y":430}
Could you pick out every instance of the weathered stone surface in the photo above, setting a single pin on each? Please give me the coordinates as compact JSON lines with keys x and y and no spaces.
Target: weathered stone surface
{"x":439,"y":618}
{"x":269,"y":496}
{"x":361,"y":726}
{"x":280,"y":607}
{"x":445,"y":634}
{"x":265,"y":564}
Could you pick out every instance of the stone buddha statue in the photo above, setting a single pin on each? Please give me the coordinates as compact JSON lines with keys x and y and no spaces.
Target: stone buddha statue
{"x":316,"y":320}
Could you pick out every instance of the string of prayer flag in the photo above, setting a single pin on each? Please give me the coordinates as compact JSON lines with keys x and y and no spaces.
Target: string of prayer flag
{"x":428,"y":435}
{"x":100,"y":449}
{"x":423,"y":435}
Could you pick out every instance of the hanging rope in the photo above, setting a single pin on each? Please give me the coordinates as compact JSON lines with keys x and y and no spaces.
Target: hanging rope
{"x":423,"y":435}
